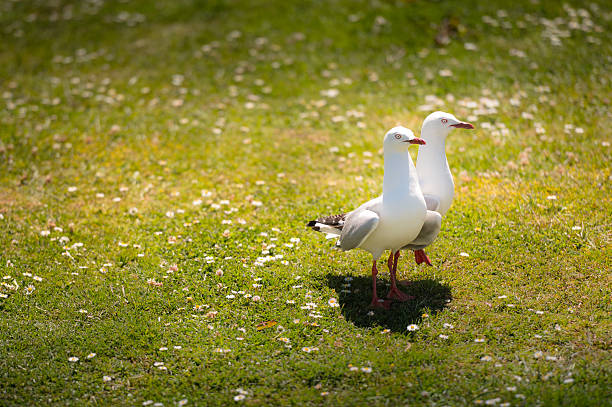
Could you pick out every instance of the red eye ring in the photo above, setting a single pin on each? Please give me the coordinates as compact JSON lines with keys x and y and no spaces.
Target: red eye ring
{"x":398,"y":136}
{"x":444,"y":121}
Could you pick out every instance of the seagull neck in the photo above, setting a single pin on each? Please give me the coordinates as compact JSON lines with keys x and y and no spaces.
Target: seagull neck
{"x":400,"y":174}
{"x":433,"y":154}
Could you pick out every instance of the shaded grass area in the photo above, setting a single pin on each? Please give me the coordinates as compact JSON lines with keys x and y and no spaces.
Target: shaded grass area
{"x":159,"y":161}
{"x":428,"y":295}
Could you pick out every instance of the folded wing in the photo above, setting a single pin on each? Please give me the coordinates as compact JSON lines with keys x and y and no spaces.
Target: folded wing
{"x":432,"y":202}
{"x":358,"y":226}
{"x":428,"y":233}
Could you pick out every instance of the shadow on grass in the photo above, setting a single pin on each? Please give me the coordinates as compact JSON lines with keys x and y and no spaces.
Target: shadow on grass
{"x":429,"y":296}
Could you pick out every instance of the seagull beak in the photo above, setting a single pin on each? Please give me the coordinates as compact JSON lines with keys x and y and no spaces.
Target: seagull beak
{"x":462,"y":125}
{"x":416,"y":140}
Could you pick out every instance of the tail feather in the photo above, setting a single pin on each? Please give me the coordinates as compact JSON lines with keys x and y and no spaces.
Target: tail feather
{"x":330,"y":225}
{"x":321,"y":227}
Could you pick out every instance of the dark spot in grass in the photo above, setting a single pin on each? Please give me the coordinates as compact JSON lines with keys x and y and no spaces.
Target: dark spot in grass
{"x":430,"y":297}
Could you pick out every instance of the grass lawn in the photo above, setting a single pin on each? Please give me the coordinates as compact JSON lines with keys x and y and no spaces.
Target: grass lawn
{"x":159,"y":161}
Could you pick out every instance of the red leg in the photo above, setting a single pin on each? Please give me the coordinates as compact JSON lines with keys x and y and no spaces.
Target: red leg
{"x":390,"y":262}
{"x":376,"y":302}
{"x":421,"y":257}
{"x":394,"y":292}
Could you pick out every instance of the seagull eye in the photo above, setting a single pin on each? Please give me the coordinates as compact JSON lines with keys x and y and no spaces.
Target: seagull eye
{"x":444,"y":121}
{"x":398,"y":136}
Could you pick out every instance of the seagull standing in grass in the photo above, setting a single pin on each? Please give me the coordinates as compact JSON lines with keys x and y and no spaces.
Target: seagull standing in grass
{"x":388,"y":222}
{"x":435,"y":179}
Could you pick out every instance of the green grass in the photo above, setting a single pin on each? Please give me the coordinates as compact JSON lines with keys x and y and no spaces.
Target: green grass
{"x":90,"y":99}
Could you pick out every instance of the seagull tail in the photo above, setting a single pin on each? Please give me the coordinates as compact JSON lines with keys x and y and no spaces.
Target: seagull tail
{"x":327,"y":229}
{"x":330,"y":225}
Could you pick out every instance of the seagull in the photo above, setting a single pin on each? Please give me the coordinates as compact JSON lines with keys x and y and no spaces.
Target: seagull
{"x":388,"y":222}
{"x":435,"y":179}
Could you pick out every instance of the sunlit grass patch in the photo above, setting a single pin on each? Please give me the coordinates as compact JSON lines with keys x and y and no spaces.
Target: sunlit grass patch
{"x":160,"y":161}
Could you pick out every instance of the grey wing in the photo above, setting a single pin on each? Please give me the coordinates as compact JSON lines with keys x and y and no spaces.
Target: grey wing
{"x":358,"y":225}
{"x":428,"y":233}
{"x":432,"y":202}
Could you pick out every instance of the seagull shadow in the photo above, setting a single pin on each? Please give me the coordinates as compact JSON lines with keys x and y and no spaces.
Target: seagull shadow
{"x":429,"y":296}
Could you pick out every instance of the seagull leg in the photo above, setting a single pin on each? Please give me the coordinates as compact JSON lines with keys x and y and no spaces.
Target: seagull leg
{"x":397,"y":254}
{"x":376,"y":302}
{"x":417,"y":256}
{"x":421,"y":257}
{"x":394,"y":292}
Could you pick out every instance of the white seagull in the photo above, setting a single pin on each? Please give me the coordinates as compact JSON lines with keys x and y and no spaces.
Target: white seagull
{"x":388,"y":222}
{"x":435,"y":179}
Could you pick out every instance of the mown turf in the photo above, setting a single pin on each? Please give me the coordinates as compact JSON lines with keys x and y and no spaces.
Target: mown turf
{"x":160,"y":160}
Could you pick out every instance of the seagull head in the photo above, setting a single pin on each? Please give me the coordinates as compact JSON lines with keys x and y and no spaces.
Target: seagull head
{"x":439,"y":124}
{"x":400,"y":137}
